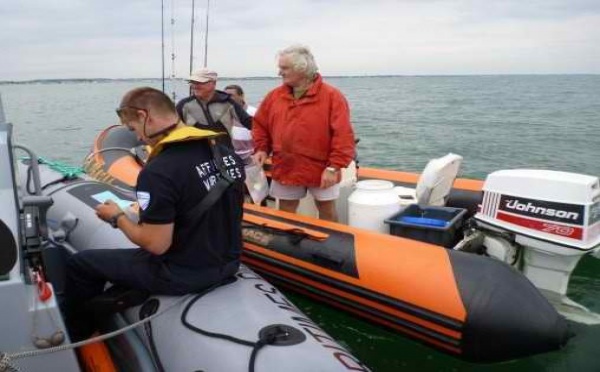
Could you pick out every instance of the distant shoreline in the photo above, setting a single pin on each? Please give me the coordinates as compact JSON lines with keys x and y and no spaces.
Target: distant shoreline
{"x":103,"y":80}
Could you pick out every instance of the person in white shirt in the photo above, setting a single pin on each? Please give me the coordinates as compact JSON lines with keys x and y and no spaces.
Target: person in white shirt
{"x":237,"y":93}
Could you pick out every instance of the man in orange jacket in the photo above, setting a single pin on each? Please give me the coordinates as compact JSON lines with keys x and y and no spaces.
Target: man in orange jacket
{"x":305,"y":125}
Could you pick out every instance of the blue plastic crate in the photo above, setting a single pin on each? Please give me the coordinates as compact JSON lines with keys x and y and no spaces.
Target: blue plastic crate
{"x":434,"y":225}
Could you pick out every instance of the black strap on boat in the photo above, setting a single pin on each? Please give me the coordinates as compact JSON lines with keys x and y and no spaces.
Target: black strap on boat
{"x":223,"y":183}
{"x":264,"y":339}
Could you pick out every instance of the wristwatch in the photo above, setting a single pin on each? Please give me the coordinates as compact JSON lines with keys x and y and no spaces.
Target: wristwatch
{"x":331,"y":169}
{"x":114,"y":219}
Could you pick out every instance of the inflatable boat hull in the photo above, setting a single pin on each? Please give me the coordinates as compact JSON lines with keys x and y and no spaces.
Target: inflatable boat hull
{"x":246,"y":324}
{"x":473,"y":307}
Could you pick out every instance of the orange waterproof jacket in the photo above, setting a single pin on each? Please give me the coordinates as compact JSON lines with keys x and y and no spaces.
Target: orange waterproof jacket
{"x":304,"y":135}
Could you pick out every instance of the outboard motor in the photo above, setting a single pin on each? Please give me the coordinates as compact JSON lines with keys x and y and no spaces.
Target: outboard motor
{"x":543,"y":222}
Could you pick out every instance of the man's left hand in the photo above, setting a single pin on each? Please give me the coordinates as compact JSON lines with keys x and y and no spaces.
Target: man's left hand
{"x":107,"y":210}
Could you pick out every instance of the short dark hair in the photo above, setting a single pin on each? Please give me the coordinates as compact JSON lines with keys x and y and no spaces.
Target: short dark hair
{"x":235,"y":87}
{"x":146,"y":98}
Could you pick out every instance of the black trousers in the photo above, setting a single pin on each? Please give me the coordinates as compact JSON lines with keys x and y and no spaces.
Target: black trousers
{"x":89,"y":271}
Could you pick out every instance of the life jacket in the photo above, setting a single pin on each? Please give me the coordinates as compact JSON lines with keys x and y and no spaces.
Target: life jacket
{"x":183,"y":134}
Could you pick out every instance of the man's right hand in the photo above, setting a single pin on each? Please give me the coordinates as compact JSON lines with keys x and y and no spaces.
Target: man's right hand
{"x":259,"y":157}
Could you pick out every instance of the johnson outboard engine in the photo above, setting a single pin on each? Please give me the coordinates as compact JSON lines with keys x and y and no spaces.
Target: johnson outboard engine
{"x":543,"y":222}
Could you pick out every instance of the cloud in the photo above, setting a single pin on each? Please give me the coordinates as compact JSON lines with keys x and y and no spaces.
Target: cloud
{"x":122,"y":39}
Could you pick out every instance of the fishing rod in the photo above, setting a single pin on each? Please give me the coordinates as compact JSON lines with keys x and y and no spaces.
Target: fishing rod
{"x":206,"y":34}
{"x":192,"y":37}
{"x":192,"y":41}
{"x":162,"y":38}
{"x":174,"y":96}
{"x":192,"y":23}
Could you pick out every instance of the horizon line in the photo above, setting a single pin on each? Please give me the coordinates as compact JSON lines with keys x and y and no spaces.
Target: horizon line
{"x":277,"y":77}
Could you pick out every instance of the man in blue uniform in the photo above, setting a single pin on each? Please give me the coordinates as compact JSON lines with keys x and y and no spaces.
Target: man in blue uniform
{"x":186,"y":243}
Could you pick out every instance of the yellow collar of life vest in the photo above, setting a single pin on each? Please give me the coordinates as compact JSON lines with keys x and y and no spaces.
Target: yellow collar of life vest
{"x":183,"y":134}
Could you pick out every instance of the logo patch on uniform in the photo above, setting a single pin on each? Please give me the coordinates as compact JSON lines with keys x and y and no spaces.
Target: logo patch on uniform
{"x":143,"y":199}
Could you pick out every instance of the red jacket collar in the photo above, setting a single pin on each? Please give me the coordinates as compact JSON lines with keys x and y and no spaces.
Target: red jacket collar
{"x":312,"y":91}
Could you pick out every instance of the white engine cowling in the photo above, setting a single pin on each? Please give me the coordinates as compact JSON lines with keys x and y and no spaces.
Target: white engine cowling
{"x":554,"y":215}
{"x":555,"y":207}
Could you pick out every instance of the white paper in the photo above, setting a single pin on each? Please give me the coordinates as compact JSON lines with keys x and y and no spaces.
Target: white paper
{"x":256,"y":182}
{"x":241,"y":134}
{"x":108,"y":195}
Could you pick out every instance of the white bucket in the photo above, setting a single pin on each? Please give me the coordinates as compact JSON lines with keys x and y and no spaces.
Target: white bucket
{"x":371,"y":203}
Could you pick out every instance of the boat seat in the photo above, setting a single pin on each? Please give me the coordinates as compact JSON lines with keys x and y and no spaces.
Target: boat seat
{"x":434,"y":184}
{"x":8,"y":249}
{"x":115,"y":299}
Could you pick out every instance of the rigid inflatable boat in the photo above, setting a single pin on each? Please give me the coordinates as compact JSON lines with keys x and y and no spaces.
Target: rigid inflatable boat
{"x":243,"y":325}
{"x":470,"y":306}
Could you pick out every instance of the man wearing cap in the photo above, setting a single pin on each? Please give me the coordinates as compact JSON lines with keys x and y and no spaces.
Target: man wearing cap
{"x":209,"y":108}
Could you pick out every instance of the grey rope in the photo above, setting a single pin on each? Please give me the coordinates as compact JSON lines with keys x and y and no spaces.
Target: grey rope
{"x":5,"y":365}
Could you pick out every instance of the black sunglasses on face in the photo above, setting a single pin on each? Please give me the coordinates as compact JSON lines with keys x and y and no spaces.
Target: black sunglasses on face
{"x":121,"y":110}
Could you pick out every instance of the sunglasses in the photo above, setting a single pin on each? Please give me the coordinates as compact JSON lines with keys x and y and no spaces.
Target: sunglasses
{"x":120,"y":111}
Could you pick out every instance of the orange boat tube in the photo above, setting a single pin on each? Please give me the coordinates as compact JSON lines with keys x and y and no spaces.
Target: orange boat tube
{"x":473,"y":307}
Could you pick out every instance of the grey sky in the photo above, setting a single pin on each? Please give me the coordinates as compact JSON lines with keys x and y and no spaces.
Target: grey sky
{"x":121,"y":39}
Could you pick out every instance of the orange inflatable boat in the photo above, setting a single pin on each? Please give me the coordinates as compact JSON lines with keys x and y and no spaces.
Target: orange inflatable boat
{"x":470,"y":306}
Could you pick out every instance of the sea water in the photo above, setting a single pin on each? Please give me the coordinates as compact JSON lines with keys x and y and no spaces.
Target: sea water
{"x":494,"y":122}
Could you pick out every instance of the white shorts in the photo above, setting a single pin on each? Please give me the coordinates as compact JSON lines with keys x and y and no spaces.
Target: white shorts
{"x":286,"y":192}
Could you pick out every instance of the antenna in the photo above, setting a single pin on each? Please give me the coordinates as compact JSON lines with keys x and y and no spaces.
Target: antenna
{"x":174,"y":96}
{"x":162,"y":39}
{"x":192,"y":37}
{"x":206,"y":34}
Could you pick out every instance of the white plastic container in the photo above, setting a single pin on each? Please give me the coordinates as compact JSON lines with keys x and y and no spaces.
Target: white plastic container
{"x":371,"y":203}
{"x":256,"y":182}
